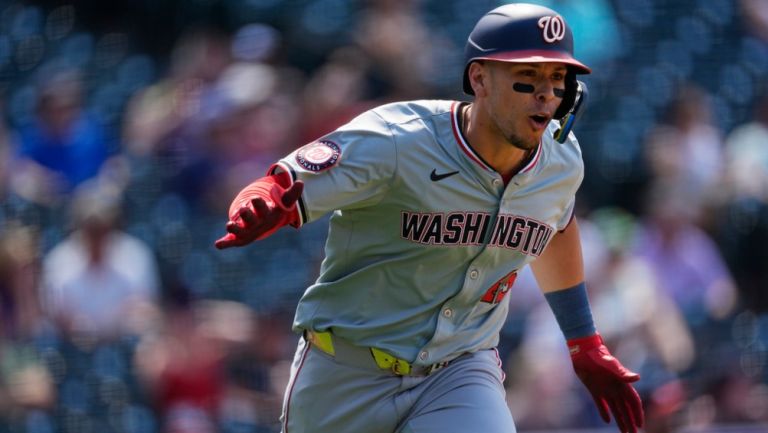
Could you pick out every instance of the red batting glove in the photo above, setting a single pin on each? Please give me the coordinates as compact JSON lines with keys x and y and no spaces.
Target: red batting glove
{"x":608,"y":381}
{"x":259,"y":210}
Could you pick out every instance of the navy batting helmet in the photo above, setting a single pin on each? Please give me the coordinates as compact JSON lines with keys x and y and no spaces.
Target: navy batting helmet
{"x":525,"y":33}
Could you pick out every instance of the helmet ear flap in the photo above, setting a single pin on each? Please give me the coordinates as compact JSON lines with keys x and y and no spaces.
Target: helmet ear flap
{"x":569,"y":97}
{"x":567,"y":122}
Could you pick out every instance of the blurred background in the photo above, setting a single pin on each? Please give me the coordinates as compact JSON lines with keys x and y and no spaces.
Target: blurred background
{"x":128,"y":126}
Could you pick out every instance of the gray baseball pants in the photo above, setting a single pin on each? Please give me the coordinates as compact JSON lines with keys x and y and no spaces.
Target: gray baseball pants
{"x":349,"y":393}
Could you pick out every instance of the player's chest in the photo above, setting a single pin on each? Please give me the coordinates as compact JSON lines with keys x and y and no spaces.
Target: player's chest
{"x":505,"y":226}
{"x":455,"y":199}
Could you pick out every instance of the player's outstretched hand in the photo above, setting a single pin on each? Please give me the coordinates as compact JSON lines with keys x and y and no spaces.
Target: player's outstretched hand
{"x":259,"y":218}
{"x":608,"y":381}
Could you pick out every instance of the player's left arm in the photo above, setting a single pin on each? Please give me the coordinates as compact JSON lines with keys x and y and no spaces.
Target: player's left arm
{"x":560,"y":274}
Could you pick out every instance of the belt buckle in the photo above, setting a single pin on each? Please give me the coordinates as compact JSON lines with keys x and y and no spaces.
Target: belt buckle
{"x":437,"y":366}
{"x":385,"y":361}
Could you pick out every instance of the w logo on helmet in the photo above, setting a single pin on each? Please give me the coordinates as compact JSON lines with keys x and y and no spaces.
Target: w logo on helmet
{"x":553,"y":28}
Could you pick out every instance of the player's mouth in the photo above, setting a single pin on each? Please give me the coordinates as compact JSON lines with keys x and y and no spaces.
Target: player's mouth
{"x":539,"y":121}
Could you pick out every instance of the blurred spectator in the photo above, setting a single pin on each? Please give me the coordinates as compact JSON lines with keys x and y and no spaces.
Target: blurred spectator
{"x":20,"y":313}
{"x":99,"y":280}
{"x":755,"y":13}
{"x":336,"y":93}
{"x":63,"y":145}
{"x":634,"y":310}
{"x":25,"y":383}
{"x":182,"y":368}
{"x":257,"y":372}
{"x":247,"y":122}
{"x":684,"y":260}
{"x":154,"y":114}
{"x":389,"y":32}
{"x":738,"y":398}
{"x":185,"y":124}
{"x":686,"y":152}
{"x":746,"y":152}
{"x":745,"y":211}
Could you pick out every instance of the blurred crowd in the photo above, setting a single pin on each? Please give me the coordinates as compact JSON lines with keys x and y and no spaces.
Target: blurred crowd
{"x":123,"y":141}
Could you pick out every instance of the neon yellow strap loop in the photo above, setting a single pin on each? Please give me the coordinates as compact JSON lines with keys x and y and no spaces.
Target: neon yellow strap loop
{"x":386,"y":361}
{"x":322,"y":340}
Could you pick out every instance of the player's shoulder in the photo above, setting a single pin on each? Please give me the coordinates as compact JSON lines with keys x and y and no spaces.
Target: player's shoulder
{"x":407,"y":111}
{"x":570,"y":145}
{"x":396,"y":118}
{"x":567,"y":152}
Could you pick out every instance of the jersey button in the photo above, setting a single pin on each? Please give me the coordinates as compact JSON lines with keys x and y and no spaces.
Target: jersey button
{"x":496,"y":182}
{"x":473,"y":274}
{"x":423,"y":355}
{"x":448,"y":312}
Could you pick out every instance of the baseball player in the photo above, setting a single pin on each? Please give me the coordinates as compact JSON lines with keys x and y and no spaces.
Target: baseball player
{"x":436,"y":206}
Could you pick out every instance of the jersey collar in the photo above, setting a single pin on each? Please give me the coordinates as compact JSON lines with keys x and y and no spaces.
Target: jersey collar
{"x":467,"y":149}
{"x":463,"y":145}
{"x":535,"y":159}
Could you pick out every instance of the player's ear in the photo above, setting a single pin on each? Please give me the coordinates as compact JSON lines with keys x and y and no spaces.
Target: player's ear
{"x":478,"y":74}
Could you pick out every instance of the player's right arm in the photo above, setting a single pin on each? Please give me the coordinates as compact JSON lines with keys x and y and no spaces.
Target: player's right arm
{"x":349,"y":168}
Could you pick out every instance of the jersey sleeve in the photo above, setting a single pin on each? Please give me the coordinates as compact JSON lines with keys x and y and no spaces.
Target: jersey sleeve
{"x":567,"y":215}
{"x":570,"y":153}
{"x":352,"y":167}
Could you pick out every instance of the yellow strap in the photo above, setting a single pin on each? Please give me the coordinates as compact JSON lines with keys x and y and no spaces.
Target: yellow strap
{"x":322,"y":340}
{"x":386,"y":361}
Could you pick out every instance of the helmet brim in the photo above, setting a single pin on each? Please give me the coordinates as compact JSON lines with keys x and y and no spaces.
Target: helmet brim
{"x":538,"y":56}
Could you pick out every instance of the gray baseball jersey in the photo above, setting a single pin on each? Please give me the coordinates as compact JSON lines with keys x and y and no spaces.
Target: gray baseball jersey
{"x":425,"y":239}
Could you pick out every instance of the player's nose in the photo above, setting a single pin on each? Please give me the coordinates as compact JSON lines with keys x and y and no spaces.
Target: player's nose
{"x":545,"y":91}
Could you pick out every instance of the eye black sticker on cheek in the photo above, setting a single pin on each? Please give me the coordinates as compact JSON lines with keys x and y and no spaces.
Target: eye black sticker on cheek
{"x":559,"y":92}
{"x":523,"y":88}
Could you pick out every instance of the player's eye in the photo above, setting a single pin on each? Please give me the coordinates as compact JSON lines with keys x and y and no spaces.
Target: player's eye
{"x":529,"y":73}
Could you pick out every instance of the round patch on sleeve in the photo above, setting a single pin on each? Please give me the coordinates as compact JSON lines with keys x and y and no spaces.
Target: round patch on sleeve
{"x":319,"y":155}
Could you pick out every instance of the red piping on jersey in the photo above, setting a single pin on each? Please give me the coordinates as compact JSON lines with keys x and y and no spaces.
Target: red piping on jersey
{"x":471,"y":153}
{"x":293,"y":384}
{"x":533,"y":161}
{"x":460,"y":139}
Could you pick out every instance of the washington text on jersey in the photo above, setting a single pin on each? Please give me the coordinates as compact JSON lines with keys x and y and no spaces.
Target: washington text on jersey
{"x":470,"y":228}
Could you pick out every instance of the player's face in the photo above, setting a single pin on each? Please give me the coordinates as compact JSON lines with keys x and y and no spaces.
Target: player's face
{"x":523,"y":99}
